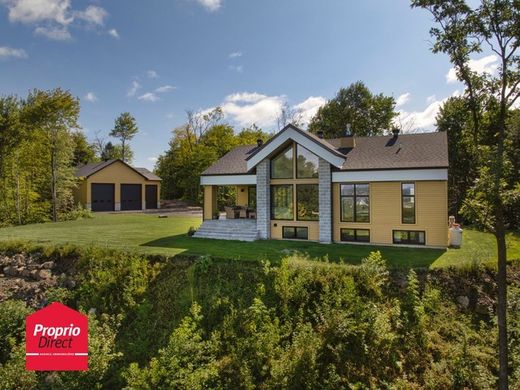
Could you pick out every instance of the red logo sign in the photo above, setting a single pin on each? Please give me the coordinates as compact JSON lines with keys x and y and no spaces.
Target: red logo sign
{"x":56,"y":339}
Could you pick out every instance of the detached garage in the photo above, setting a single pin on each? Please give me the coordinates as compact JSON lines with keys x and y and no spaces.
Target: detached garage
{"x":114,"y":185}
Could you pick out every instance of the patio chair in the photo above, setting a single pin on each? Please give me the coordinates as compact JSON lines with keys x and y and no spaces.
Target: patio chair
{"x":230,"y":212}
{"x":242,"y":212}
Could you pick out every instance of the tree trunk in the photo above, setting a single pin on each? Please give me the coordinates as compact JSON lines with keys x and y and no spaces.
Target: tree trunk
{"x":502,"y":305}
{"x":123,"y":150}
{"x":53,"y":185}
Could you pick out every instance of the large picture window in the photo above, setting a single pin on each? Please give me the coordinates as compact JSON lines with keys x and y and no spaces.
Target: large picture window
{"x":411,"y":237}
{"x":355,"y":203}
{"x":282,"y":205}
{"x":306,"y":163}
{"x":307,"y":202}
{"x":408,"y":202}
{"x":282,"y":165}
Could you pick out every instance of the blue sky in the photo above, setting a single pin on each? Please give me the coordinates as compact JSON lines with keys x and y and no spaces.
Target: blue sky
{"x":158,"y":58}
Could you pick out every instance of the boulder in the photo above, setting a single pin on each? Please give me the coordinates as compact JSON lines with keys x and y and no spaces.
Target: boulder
{"x":48,"y":265}
{"x":43,"y":274}
{"x":11,"y":270}
{"x":463,"y":301}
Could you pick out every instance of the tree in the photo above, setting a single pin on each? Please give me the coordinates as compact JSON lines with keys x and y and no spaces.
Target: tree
{"x":289,"y":115}
{"x":125,"y":128}
{"x":84,"y":152}
{"x":454,"y":118}
{"x":249,"y":136}
{"x":460,"y":32}
{"x":368,"y":114}
{"x":55,"y":114}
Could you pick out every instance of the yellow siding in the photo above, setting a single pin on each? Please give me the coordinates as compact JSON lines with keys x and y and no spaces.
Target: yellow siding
{"x":242,"y":196}
{"x":385,"y":212}
{"x":210,"y":201}
{"x":80,"y":193}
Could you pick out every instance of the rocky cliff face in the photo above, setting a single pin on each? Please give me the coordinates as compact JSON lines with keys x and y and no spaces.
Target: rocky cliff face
{"x":28,"y":276}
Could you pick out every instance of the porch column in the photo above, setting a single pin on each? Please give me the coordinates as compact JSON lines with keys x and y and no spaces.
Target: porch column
{"x":325,"y":201}
{"x":263,"y":199}
{"x":210,"y":202}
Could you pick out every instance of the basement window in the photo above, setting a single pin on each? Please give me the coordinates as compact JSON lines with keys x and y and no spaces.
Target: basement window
{"x":355,"y":235}
{"x":295,"y":232}
{"x":410,"y":237}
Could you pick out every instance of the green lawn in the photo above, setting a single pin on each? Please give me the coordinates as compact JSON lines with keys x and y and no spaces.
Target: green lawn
{"x":150,"y":234}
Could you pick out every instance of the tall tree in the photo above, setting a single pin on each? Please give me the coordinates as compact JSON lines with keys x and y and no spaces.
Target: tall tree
{"x":83,"y":151}
{"x":125,"y":128}
{"x":460,"y":32}
{"x":357,"y":106}
{"x":55,"y":114}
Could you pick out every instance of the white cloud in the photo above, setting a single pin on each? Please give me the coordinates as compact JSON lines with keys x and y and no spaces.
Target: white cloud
{"x":91,"y":97}
{"x":149,"y":97}
{"x":488,"y":64}
{"x":402,"y":99}
{"x":152,"y":74}
{"x":431,"y":99}
{"x":9,"y":52}
{"x":92,"y":14}
{"x":210,"y":5}
{"x":54,"y":33}
{"x":52,"y":18}
{"x":309,"y":107}
{"x":113,"y":32}
{"x":248,"y":108}
{"x":133,"y":89}
{"x":153,"y":159}
{"x":34,"y":11}
{"x":236,"y":68}
{"x":235,"y":54}
{"x":165,"y":88}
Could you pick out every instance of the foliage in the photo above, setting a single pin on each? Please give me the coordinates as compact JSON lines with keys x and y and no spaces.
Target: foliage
{"x":125,"y":129}
{"x":193,"y":148}
{"x":84,"y":152}
{"x":357,"y":106}
{"x":12,"y":326}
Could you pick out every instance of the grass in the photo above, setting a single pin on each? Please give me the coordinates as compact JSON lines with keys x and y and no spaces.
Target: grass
{"x":149,"y":234}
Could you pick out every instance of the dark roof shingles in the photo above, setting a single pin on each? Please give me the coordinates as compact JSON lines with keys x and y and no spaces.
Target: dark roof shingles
{"x":421,"y":150}
{"x":89,"y":169}
{"x":232,"y":163}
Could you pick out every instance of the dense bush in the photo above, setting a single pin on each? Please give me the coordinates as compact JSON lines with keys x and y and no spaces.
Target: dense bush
{"x":303,"y":324}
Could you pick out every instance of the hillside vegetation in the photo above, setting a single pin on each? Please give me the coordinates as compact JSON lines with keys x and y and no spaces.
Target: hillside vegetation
{"x":198,"y":322}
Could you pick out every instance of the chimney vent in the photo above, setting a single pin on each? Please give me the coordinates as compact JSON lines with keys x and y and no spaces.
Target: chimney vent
{"x":395,"y":131}
{"x":259,"y":142}
{"x":320,"y":134}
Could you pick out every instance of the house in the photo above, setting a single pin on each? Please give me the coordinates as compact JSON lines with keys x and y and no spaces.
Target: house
{"x":389,"y":190}
{"x":114,"y":185}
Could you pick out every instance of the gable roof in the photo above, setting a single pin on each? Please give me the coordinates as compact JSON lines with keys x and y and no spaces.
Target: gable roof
{"x":316,"y":145}
{"x":91,"y":168}
{"x":407,"y":151}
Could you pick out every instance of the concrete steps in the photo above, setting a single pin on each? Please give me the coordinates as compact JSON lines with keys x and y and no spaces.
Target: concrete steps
{"x":228,"y":229}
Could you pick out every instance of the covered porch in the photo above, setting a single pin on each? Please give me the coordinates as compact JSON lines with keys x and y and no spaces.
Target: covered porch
{"x":243,"y":206}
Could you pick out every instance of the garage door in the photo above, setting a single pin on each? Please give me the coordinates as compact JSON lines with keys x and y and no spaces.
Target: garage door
{"x":151,"y":196}
{"x":102,"y":196}
{"x":131,"y":197}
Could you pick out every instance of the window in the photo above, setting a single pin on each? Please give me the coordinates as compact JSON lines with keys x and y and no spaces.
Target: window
{"x":356,"y":235}
{"x":282,"y":204}
{"x":411,"y":237}
{"x":295,"y":232}
{"x":251,"y":196}
{"x":282,"y":165}
{"x":306,"y":163}
{"x":408,"y":202}
{"x":355,"y":203}
{"x":307,"y":202}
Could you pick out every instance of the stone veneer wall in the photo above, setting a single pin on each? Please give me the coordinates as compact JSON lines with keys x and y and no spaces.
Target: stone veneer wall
{"x":263,"y":199}
{"x":325,"y":201}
